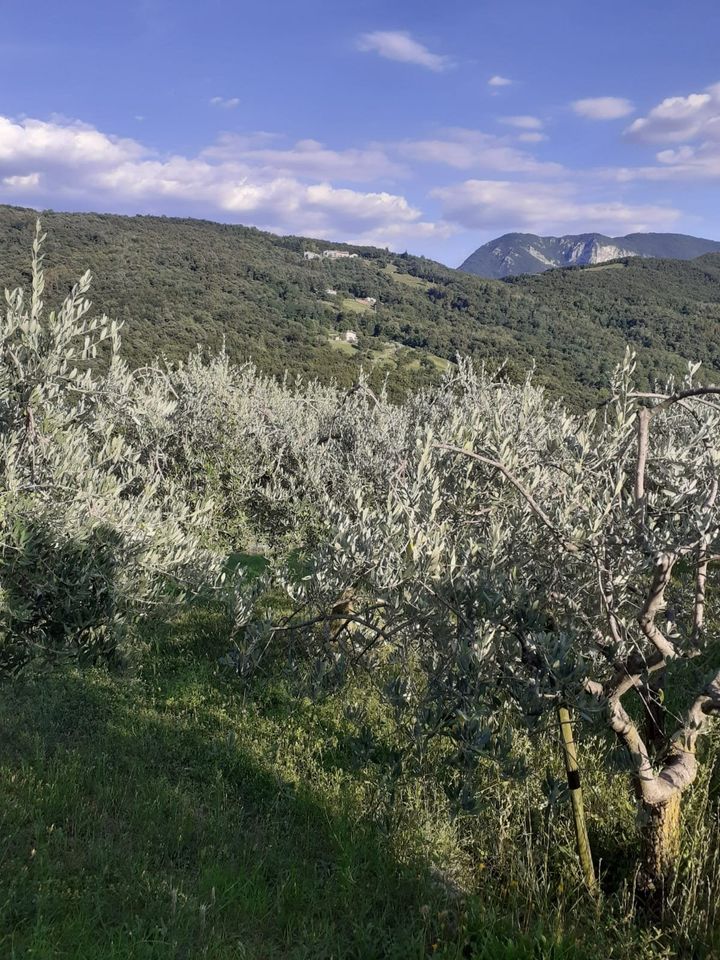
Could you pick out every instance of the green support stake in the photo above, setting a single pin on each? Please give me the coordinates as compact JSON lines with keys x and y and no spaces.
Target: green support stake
{"x":573,"y":777}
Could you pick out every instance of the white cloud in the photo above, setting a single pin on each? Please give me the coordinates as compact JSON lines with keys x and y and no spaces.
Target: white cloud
{"x":471,"y":149}
{"x":603,"y":108}
{"x":307,"y":187}
{"x":29,"y":181}
{"x":683,"y":163}
{"x":306,"y":158}
{"x":65,"y":143}
{"x":679,"y":119}
{"x":531,"y":137}
{"x":72,"y":165}
{"x":227,"y":103}
{"x":399,"y":45}
{"x":498,"y":81}
{"x":523,"y":122}
{"x":688,"y":129}
{"x":542,"y":207}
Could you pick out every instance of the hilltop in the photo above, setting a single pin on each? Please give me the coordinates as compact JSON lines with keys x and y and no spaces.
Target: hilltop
{"x":526,"y":253}
{"x":177,"y":283}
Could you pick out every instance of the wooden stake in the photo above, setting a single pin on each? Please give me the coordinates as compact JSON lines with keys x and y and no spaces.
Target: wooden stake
{"x":573,"y":777}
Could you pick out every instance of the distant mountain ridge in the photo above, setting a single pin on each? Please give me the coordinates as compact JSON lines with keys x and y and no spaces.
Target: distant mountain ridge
{"x":526,"y":253}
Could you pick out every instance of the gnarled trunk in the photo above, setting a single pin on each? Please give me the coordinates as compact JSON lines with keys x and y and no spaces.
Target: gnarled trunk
{"x":661,"y":841}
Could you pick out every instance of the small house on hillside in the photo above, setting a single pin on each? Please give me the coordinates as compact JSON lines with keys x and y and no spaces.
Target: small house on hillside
{"x":309,"y":255}
{"x":369,"y":301}
{"x":338,"y":255}
{"x":349,"y":336}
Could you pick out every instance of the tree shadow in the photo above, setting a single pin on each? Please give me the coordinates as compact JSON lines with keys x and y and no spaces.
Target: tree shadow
{"x":138,"y":824}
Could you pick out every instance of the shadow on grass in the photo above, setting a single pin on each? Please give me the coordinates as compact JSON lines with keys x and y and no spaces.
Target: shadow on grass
{"x":162,"y":817}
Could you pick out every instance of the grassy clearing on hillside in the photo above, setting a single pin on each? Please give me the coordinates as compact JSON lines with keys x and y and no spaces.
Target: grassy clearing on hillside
{"x":177,"y":813}
{"x":410,"y":281}
{"x":392,"y":355}
{"x":354,"y":306}
{"x":342,"y":345}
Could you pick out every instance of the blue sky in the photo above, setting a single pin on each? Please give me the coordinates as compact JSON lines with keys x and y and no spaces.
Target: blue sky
{"x":425,"y":126}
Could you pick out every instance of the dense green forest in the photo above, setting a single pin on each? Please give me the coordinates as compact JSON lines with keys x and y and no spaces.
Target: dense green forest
{"x":179,"y":283}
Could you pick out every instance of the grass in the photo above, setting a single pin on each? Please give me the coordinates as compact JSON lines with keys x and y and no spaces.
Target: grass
{"x":412,"y":358}
{"x":405,"y":278}
{"x":164,"y":815}
{"x":388,"y":353}
{"x":252,"y":563}
{"x":342,"y":345}
{"x":172,"y":812}
{"x":353,"y":306}
{"x":440,"y":363}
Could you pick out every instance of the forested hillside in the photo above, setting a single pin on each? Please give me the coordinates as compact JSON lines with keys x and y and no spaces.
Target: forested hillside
{"x":179,"y":283}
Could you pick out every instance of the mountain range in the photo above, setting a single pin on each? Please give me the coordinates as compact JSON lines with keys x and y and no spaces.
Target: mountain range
{"x":179,"y":283}
{"x":526,"y":253}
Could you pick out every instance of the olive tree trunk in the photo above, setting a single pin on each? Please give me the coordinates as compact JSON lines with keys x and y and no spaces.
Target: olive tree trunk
{"x":661,"y":838}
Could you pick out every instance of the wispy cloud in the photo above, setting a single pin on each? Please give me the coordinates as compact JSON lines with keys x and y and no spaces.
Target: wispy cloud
{"x":226,"y":103}
{"x":498,"y":81}
{"x":305,"y":158}
{"x":542,"y":207}
{"x":311,"y":188}
{"x":464,"y":149}
{"x":524,"y":122}
{"x":401,"y":46}
{"x":603,"y":108}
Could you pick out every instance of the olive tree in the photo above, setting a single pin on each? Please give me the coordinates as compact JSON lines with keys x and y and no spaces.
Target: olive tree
{"x":507,"y":558}
{"x":92,"y":537}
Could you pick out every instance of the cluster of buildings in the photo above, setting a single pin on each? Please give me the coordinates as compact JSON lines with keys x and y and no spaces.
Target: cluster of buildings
{"x":330,"y":255}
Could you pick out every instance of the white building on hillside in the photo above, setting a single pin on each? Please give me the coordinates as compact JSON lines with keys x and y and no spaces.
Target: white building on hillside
{"x":338,"y":255}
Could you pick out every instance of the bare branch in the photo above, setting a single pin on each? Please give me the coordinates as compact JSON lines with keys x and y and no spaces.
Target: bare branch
{"x":680,"y":768}
{"x":644,"y":415}
{"x":701,"y":569}
{"x":697,"y":716}
{"x":620,"y":722}
{"x":653,"y":604}
{"x":685,"y":395}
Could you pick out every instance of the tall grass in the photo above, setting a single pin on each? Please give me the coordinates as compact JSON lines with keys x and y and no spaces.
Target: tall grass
{"x":177,"y":813}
